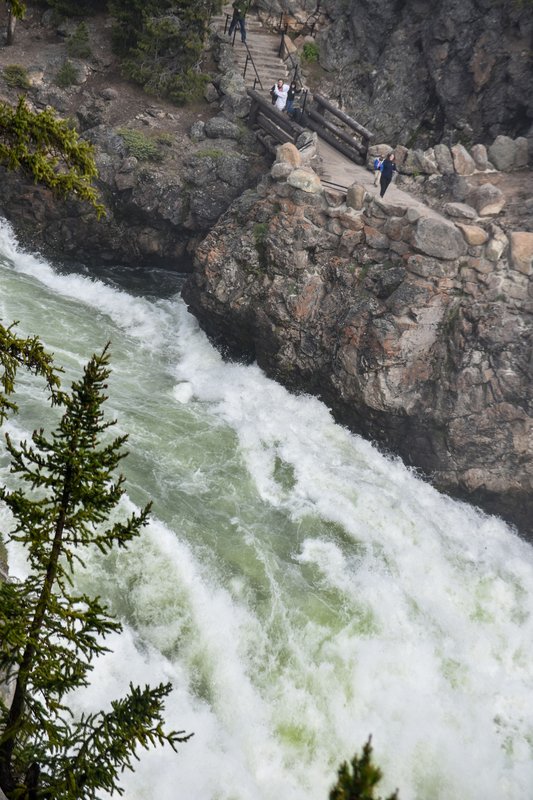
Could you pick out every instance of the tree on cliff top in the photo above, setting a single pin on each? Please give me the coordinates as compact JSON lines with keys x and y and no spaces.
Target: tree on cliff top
{"x":48,"y":150}
{"x":48,"y":632}
{"x":161,"y":43}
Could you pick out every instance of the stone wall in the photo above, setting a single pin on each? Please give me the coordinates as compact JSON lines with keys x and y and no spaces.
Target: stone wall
{"x":504,"y":154}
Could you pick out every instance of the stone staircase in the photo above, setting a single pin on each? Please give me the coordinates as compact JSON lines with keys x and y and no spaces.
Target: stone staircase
{"x":263,"y":46}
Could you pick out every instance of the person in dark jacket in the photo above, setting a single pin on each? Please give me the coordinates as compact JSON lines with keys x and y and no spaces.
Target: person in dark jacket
{"x":240,"y":8}
{"x":387,"y":169}
{"x":291,"y":95}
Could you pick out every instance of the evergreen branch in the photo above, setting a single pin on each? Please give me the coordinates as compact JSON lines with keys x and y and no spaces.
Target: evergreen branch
{"x":29,"y":353}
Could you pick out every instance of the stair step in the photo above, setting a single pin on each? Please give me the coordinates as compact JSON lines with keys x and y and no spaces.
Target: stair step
{"x":263,"y":46}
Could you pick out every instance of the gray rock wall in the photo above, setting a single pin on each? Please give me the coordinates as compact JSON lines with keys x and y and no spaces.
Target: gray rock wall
{"x":419,"y":71}
{"x":412,"y":328}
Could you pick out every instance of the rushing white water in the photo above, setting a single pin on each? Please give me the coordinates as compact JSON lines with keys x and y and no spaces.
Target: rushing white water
{"x":300,"y":590}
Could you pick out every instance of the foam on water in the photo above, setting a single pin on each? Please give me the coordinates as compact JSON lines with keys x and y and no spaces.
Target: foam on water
{"x":299,"y":589}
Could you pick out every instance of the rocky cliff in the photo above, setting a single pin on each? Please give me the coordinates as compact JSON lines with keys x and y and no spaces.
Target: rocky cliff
{"x":165,"y":173}
{"x":423,"y":71}
{"x":413,"y":329}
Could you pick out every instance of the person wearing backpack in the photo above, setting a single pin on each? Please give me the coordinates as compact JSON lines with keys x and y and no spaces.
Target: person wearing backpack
{"x":387,"y":169}
{"x":378,"y":163}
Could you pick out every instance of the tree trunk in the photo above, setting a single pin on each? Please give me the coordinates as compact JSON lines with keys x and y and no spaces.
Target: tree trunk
{"x":11,"y":22}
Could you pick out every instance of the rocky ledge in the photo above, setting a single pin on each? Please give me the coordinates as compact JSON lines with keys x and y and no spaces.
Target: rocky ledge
{"x":412,"y":328}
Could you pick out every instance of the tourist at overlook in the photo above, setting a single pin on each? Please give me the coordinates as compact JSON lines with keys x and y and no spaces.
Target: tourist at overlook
{"x":291,"y":96}
{"x":387,"y":169}
{"x":280,"y":92}
{"x":378,"y":163}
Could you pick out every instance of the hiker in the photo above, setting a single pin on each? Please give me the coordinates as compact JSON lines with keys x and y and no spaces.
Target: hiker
{"x":387,"y":169}
{"x":239,"y":13}
{"x":280,"y":91}
{"x":291,"y":96}
{"x":378,"y":163}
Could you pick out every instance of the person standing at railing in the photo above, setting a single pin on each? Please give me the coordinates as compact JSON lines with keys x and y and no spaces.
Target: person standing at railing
{"x":280,"y":91}
{"x":291,"y":96}
{"x":239,"y":18}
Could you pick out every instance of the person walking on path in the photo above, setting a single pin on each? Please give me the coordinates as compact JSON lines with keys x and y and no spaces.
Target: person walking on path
{"x":280,"y":92}
{"x":238,"y":20}
{"x":378,"y":163}
{"x":387,"y":169}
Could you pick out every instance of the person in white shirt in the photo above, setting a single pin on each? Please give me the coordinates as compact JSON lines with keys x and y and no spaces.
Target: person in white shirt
{"x":280,"y":93}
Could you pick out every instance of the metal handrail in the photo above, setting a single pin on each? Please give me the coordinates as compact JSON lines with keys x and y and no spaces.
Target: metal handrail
{"x":249,"y":57}
{"x":257,"y":79}
{"x":295,"y":65}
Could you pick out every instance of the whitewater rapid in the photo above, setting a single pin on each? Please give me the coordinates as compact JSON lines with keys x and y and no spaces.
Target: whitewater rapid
{"x":300,"y":590}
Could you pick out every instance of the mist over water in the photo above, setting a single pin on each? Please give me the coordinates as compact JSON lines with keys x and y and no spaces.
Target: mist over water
{"x":299,"y":590}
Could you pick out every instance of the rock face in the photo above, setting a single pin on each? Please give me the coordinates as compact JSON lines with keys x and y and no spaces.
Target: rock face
{"x":165,"y":173}
{"x":155,"y":213}
{"x":397,"y":320}
{"x":426,"y":71}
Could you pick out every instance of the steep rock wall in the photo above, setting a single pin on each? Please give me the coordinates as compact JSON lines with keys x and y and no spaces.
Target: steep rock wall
{"x":413,"y":330}
{"x":420,"y":71}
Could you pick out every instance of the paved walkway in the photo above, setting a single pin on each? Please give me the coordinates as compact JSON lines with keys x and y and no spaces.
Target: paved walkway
{"x":338,"y":171}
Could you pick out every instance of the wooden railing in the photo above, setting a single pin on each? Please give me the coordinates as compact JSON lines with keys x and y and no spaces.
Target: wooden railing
{"x":353,"y":145}
{"x":278,"y":125}
{"x":281,"y":127}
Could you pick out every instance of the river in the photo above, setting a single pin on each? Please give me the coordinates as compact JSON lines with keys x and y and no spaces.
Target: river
{"x":300,"y":590}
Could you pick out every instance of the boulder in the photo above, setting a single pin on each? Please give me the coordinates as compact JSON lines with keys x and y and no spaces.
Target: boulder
{"x":474,"y":235}
{"x":522,"y":251}
{"x":461,"y":210}
{"x":221,"y":128}
{"x":197,"y":131}
{"x":412,"y":164}
{"x":355,"y":196}
{"x":235,"y":101}
{"x":439,"y":238}
{"x":521,"y":153}
{"x":306,"y":180}
{"x":444,"y":159}
{"x":487,"y":199}
{"x":497,"y":245}
{"x":289,"y":154}
{"x":210,"y":93}
{"x":479,"y":154}
{"x":307,"y":145}
{"x":462,"y":160}
{"x":281,"y":170}
{"x":428,"y":162}
{"x":110,"y":93}
{"x":502,"y":153}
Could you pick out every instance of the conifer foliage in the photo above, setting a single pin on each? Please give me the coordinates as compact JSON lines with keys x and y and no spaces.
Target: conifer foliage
{"x":358,"y":779}
{"x":46,"y":148}
{"x":161,"y":43}
{"x":66,"y":490}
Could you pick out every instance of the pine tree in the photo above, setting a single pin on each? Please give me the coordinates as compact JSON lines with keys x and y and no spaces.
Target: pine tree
{"x":46,"y":148}
{"x":358,"y":779}
{"x":49,"y":634}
